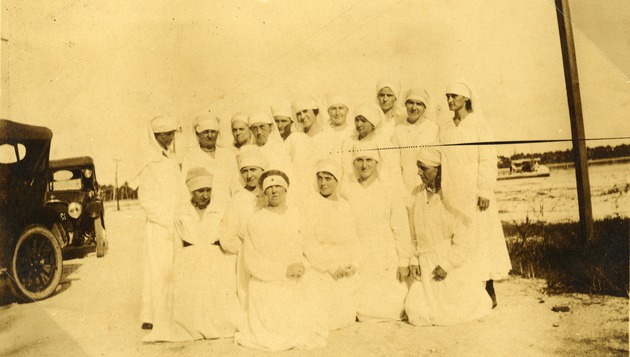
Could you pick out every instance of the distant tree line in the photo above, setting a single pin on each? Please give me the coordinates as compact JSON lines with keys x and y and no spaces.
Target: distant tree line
{"x":124,"y":192}
{"x":553,"y":157}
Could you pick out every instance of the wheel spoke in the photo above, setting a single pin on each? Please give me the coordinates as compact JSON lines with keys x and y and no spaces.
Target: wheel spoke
{"x":35,"y":264}
{"x":42,"y":284}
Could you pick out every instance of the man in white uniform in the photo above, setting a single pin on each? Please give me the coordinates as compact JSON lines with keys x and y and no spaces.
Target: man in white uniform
{"x":220,"y":161}
{"x":159,"y":195}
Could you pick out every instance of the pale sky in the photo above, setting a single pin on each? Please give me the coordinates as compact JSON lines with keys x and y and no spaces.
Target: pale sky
{"x":94,"y":72}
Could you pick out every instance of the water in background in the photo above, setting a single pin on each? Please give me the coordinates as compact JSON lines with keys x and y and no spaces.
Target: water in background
{"x":554,"y":198}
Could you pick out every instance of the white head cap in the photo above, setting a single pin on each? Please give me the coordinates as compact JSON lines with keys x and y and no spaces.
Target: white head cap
{"x":369,"y":112}
{"x":259,"y":118}
{"x":198,"y":177}
{"x":459,"y":88}
{"x":304,"y":104}
{"x":393,"y":85}
{"x":283,"y":110}
{"x":163,"y":124}
{"x":239,"y":117}
{"x":250,"y":156}
{"x":429,"y":156}
{"x":205,"y":122}
{"x":330,"y":166}
{"x":332,"y":99}
{"x":368,"y":150}
{"x":418,"y":94}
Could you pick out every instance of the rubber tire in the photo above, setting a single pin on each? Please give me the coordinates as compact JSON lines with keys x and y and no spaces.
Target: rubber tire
{"x":101,"y":240}
{"x":60,"y":232}
{"x":23,"y":293}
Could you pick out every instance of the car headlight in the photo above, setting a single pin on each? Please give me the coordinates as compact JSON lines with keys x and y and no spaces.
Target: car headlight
{"x":74,"y":210}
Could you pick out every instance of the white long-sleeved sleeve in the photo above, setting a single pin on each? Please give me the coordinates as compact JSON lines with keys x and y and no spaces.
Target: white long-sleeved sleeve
{"x":399,"y":223}
{"x":229,"y":237}
{"x":158,"y":194}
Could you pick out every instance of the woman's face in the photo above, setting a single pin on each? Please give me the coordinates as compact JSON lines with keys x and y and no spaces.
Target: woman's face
{"x":386,"y":99}
{"x":415,"y":109}
{"x":250,"y":175}
{"x":306,"y":117}
{"x":327,"y":183}
{"x":427,"y":173}
{"x":365,"y":166}
{"x":337,"y":114}
{"x":455,"y":101}
{"x":276,"y":195}
{"x":363,"y":126}
{"x":202,"y":196}
{"x":240,"y":132}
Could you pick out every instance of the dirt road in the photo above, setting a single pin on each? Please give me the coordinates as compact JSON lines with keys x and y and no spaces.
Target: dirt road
{"x":95,"y":313}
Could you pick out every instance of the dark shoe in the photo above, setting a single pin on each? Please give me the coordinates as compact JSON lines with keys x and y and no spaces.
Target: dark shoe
{"x":147,"y":326}
{"x":490,"y":291}
{"x":494,"y":300}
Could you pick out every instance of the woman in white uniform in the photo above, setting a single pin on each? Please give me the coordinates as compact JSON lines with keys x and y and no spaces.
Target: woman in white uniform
{"x":387,"y":94}
{"x":470,"y":174}
{"x":282,"y":313}
{"x":367,"y":122}
{"x":384,"y":237}
{"x":417,"y":130}
{"x":332,"y":246}
{"x":240,"y":132}
{"x":242,"y":206}
{"x":205,"y":302}
{"x":446,"y":289}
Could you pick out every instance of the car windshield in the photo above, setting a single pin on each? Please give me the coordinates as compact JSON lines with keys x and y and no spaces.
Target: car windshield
{"x":66,"y":180}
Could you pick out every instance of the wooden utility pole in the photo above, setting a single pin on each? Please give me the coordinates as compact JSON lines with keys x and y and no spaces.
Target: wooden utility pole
{"x":116,"y":186}
{"x":577,"y":121}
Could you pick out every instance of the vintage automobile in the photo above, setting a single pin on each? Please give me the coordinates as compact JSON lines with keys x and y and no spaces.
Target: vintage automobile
{"x":30,"y":255}
{"x":73,"y":193}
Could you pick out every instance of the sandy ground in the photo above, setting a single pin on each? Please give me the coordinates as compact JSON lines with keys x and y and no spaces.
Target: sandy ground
{"x":95,"y":313}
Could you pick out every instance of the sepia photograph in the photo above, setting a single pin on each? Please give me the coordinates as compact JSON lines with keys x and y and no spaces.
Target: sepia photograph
{"x":314,"y":178}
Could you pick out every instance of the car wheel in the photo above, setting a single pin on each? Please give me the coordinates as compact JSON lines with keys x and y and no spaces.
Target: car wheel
{"x":60,"y":232}
{"x":37,"y":264}
{"x":101,"y":240}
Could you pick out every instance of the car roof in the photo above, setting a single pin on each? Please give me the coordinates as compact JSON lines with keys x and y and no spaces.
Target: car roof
{"x":72,"y":162}
{"x":11,"y":131}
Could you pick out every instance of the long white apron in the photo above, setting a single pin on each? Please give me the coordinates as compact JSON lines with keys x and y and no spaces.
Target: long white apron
{"x":460,"y":297}
{"x":282,"y":314}
{"x":383,"y":232}
{"x":468,"y":173}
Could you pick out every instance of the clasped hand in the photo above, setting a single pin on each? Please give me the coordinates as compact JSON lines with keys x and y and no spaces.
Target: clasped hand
{"x":295,"y":271}
{"x":344,"y":271}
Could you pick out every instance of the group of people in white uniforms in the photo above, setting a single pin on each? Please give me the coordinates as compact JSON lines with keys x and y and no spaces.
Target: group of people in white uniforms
{"x":315,"y":226}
